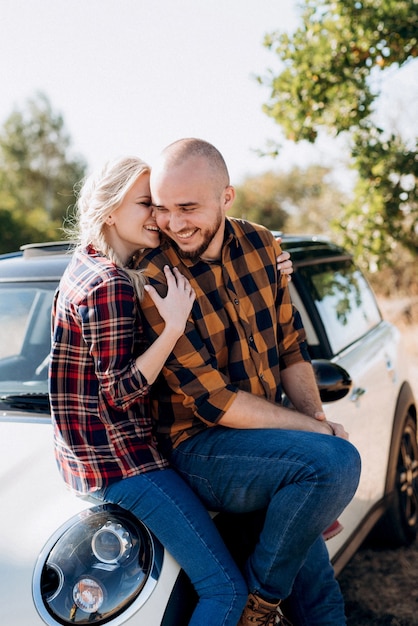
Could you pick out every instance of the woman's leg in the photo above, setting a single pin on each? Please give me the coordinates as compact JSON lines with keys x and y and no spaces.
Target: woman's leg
{"x":162,"y":501}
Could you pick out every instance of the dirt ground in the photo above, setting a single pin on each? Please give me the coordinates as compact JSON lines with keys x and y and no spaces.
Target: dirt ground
{"x":381,"y":587}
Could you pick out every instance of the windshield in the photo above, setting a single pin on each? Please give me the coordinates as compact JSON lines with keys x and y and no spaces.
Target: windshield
{"x":25,"y":336}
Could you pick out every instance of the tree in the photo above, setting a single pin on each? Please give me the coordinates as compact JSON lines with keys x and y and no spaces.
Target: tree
{"x":301,"y":200}
{"x":261,"y":199}
{"x":37,"y":173}
{"x":384,"y":211}
{"x":329,"y":82}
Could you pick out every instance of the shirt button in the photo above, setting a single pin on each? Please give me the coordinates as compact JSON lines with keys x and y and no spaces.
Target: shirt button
{"x":261,"y":376}
{"x":236,"y":301}
{"x":251,"y":339}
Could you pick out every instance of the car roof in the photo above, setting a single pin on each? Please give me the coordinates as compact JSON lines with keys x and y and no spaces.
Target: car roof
{"x":35,"y":262}
{"x":47,"y":261}
{"x":307,"y":249}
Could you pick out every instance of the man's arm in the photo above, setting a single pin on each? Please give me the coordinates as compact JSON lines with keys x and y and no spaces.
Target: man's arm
{"x":299,"y":384}
{"x":249,"y":411}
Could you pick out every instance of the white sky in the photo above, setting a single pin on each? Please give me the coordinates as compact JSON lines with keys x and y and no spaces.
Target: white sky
{"x":130,"y":76}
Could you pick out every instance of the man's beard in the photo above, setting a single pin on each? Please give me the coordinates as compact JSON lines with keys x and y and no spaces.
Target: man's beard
{"x":194,"y":255}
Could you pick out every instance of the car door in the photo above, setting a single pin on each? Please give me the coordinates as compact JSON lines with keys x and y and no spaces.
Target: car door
{"x":344,"y":325}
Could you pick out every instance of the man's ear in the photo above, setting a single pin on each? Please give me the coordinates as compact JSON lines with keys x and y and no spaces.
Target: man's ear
{"x":228,"y":197}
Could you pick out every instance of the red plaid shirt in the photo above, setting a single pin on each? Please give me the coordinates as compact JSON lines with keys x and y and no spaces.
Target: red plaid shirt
{"x":99,"y":398}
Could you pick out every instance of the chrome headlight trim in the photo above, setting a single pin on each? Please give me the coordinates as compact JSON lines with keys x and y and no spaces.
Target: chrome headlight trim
{"x":119,"y":543}
{"x":47,"y":570}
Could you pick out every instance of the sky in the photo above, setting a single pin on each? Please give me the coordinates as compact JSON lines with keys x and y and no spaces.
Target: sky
{"x":131,"y":76}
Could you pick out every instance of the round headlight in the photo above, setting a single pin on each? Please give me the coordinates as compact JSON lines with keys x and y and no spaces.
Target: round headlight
{"x":101,"y":566}
{"x":112,"y":543}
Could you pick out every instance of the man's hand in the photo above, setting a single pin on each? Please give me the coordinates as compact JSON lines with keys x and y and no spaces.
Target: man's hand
{"x":336,"y":429}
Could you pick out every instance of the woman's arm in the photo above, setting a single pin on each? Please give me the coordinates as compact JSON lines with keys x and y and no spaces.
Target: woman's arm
{"x":174,"y":310}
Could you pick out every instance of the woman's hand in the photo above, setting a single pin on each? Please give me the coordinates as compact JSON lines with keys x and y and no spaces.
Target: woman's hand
{"x":176,"y":306}
{"x":174,"y":310}
{"x":284,"y":262}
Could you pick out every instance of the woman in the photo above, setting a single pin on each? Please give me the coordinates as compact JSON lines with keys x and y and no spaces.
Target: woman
{"x":100,"y":375}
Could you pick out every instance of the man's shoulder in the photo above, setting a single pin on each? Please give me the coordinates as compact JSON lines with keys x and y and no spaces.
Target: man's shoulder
{"x":256,"y":235}
{"x":247,"y":228}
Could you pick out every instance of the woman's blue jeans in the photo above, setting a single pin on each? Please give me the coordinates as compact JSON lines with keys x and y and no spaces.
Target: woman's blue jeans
{"x":303,"y":481}
{"x":178,"y":519}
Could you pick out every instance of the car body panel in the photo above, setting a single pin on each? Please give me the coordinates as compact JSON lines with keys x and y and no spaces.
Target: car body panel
{"x":28,"y":477}
{"x":367,"y":363}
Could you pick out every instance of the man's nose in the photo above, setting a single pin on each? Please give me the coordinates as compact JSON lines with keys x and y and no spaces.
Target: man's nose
{"x":177,"y":222}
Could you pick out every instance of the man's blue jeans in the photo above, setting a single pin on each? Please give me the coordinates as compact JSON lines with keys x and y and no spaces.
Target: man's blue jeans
{"x":178,"y":519}
{"x":303,"y":481}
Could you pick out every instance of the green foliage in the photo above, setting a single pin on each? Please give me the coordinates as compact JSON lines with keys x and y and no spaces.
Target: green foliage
{"x":37,"y":175}
{"x":301,"y":200}
{"x":260,"y":199}
{"x":329,"y":60}
{"x":329,"y":81}
{"x":384,"y":212}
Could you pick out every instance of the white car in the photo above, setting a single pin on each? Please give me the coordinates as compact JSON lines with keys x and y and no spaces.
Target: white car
{"x":65,"y":560}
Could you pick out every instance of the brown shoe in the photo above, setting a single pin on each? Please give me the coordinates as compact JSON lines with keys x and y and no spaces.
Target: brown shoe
{"x":263,"y":613}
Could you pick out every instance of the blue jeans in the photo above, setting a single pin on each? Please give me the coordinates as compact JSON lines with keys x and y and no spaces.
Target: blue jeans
{"x":178,"y":519}
{"x":303,"y":481}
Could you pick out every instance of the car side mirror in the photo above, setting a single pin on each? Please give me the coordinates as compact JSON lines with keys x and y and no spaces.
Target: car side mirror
{"x":333,"y":381}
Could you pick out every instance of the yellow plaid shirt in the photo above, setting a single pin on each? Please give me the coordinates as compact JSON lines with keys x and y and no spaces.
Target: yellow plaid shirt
{"x":242,"y":331}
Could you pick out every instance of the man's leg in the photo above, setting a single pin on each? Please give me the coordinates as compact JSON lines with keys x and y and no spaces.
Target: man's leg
{"x":302,"y":480}
{"x":316,"y":596}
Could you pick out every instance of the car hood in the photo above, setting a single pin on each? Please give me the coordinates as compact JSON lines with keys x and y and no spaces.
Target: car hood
{"x":30,"y":489}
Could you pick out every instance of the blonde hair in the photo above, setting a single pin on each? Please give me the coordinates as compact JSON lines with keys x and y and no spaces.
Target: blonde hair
{"x":101,"y":194}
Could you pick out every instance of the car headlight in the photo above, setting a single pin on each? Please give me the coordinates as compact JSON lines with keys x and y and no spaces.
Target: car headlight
{"x":101,"y":566}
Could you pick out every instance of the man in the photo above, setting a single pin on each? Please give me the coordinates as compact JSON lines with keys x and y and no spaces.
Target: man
{"x":218,"y":402}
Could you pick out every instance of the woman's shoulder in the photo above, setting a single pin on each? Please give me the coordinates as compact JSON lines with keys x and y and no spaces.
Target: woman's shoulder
{"x":88,"y":270}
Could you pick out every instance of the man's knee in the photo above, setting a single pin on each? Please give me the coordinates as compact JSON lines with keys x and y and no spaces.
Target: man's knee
{"x":346,"y":465}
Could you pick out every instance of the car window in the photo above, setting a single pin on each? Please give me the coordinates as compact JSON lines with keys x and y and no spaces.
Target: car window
{"x":25,"y":321}
{"x":311,"y":335}
{"x":343,"y":299}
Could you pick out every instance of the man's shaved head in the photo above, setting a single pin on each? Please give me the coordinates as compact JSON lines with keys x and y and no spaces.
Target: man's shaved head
{"x":182,"y":150}
{"x":191,"y":194}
